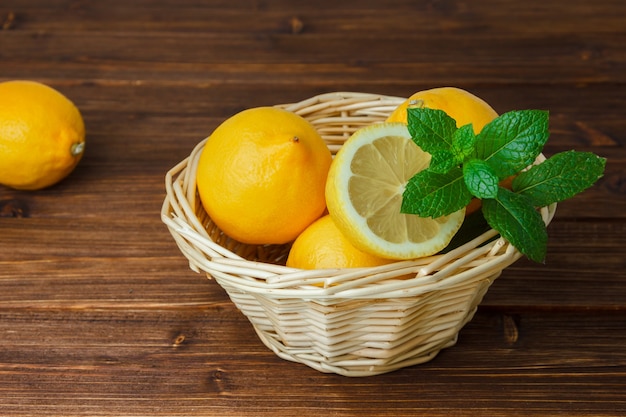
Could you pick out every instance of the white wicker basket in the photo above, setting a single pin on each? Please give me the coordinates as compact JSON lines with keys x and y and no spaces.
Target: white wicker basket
{"x":353,"y":322}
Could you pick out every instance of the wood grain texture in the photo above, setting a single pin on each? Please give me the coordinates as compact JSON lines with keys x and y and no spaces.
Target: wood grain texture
{"x":100,"y":314}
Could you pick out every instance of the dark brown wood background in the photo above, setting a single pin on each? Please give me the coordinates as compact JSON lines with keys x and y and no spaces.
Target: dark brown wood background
{"x":99,"y":312}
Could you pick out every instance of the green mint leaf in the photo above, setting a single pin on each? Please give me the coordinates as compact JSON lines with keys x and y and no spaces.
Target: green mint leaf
{"x":516,"y":219}
{"x":442,"y":161}
{"x":512,"y":141}
{"x":480,"y":179}
{"x":432,"y":194}
{"x":463,"y":143}
{"x":559,"y":177}
{"x":432,"y":130}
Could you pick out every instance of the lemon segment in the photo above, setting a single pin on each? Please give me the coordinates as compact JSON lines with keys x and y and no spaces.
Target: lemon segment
{"x":364,"y":195}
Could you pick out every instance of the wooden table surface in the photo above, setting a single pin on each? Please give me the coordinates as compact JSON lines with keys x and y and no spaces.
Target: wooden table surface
{"x":100,"y":314}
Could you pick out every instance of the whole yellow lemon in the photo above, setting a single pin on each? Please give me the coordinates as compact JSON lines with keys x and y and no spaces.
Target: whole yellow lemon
{"x":463,"y":106}
{"x":42,"y":135}
{"x":261,"y":175}
{"x":322,"y":245}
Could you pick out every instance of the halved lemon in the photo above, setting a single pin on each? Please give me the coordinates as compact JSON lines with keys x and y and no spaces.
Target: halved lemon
{"x":364,"y":194}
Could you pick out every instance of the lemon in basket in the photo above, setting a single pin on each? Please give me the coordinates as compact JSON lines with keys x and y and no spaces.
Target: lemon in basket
{"x":42,"y":135}
{"x":261,"y":175}
{"x":364,"y":195}
{"x":322,"y":245}
{"x":463,"y":106}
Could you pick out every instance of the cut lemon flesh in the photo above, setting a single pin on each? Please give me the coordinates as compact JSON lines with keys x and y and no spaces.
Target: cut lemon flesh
{"x":364,"y":195}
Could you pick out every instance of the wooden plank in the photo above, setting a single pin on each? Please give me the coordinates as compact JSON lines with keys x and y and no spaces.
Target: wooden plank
{"x":234,"y":57}
{"x":142,"y":362}
{"x":324,"y":16}
{"x":136,"y":263}
{"x":227,"y":42}
{"x":130,"y":147}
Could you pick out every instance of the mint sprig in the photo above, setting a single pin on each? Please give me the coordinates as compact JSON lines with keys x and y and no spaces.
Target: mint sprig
{"x":465,"y":165}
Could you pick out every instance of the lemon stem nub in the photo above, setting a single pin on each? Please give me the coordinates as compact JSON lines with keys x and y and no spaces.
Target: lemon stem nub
{"x":417,"y":104}
{"x":77,"y":148}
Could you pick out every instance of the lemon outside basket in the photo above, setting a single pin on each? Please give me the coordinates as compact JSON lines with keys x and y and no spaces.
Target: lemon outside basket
{"x":352,"y":322}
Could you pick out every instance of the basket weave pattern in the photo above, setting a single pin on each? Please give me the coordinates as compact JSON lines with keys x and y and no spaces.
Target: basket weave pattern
{"x":353,"y":322}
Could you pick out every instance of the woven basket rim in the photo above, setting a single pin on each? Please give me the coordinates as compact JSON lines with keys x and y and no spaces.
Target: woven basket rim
{"x":474,"y":258}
